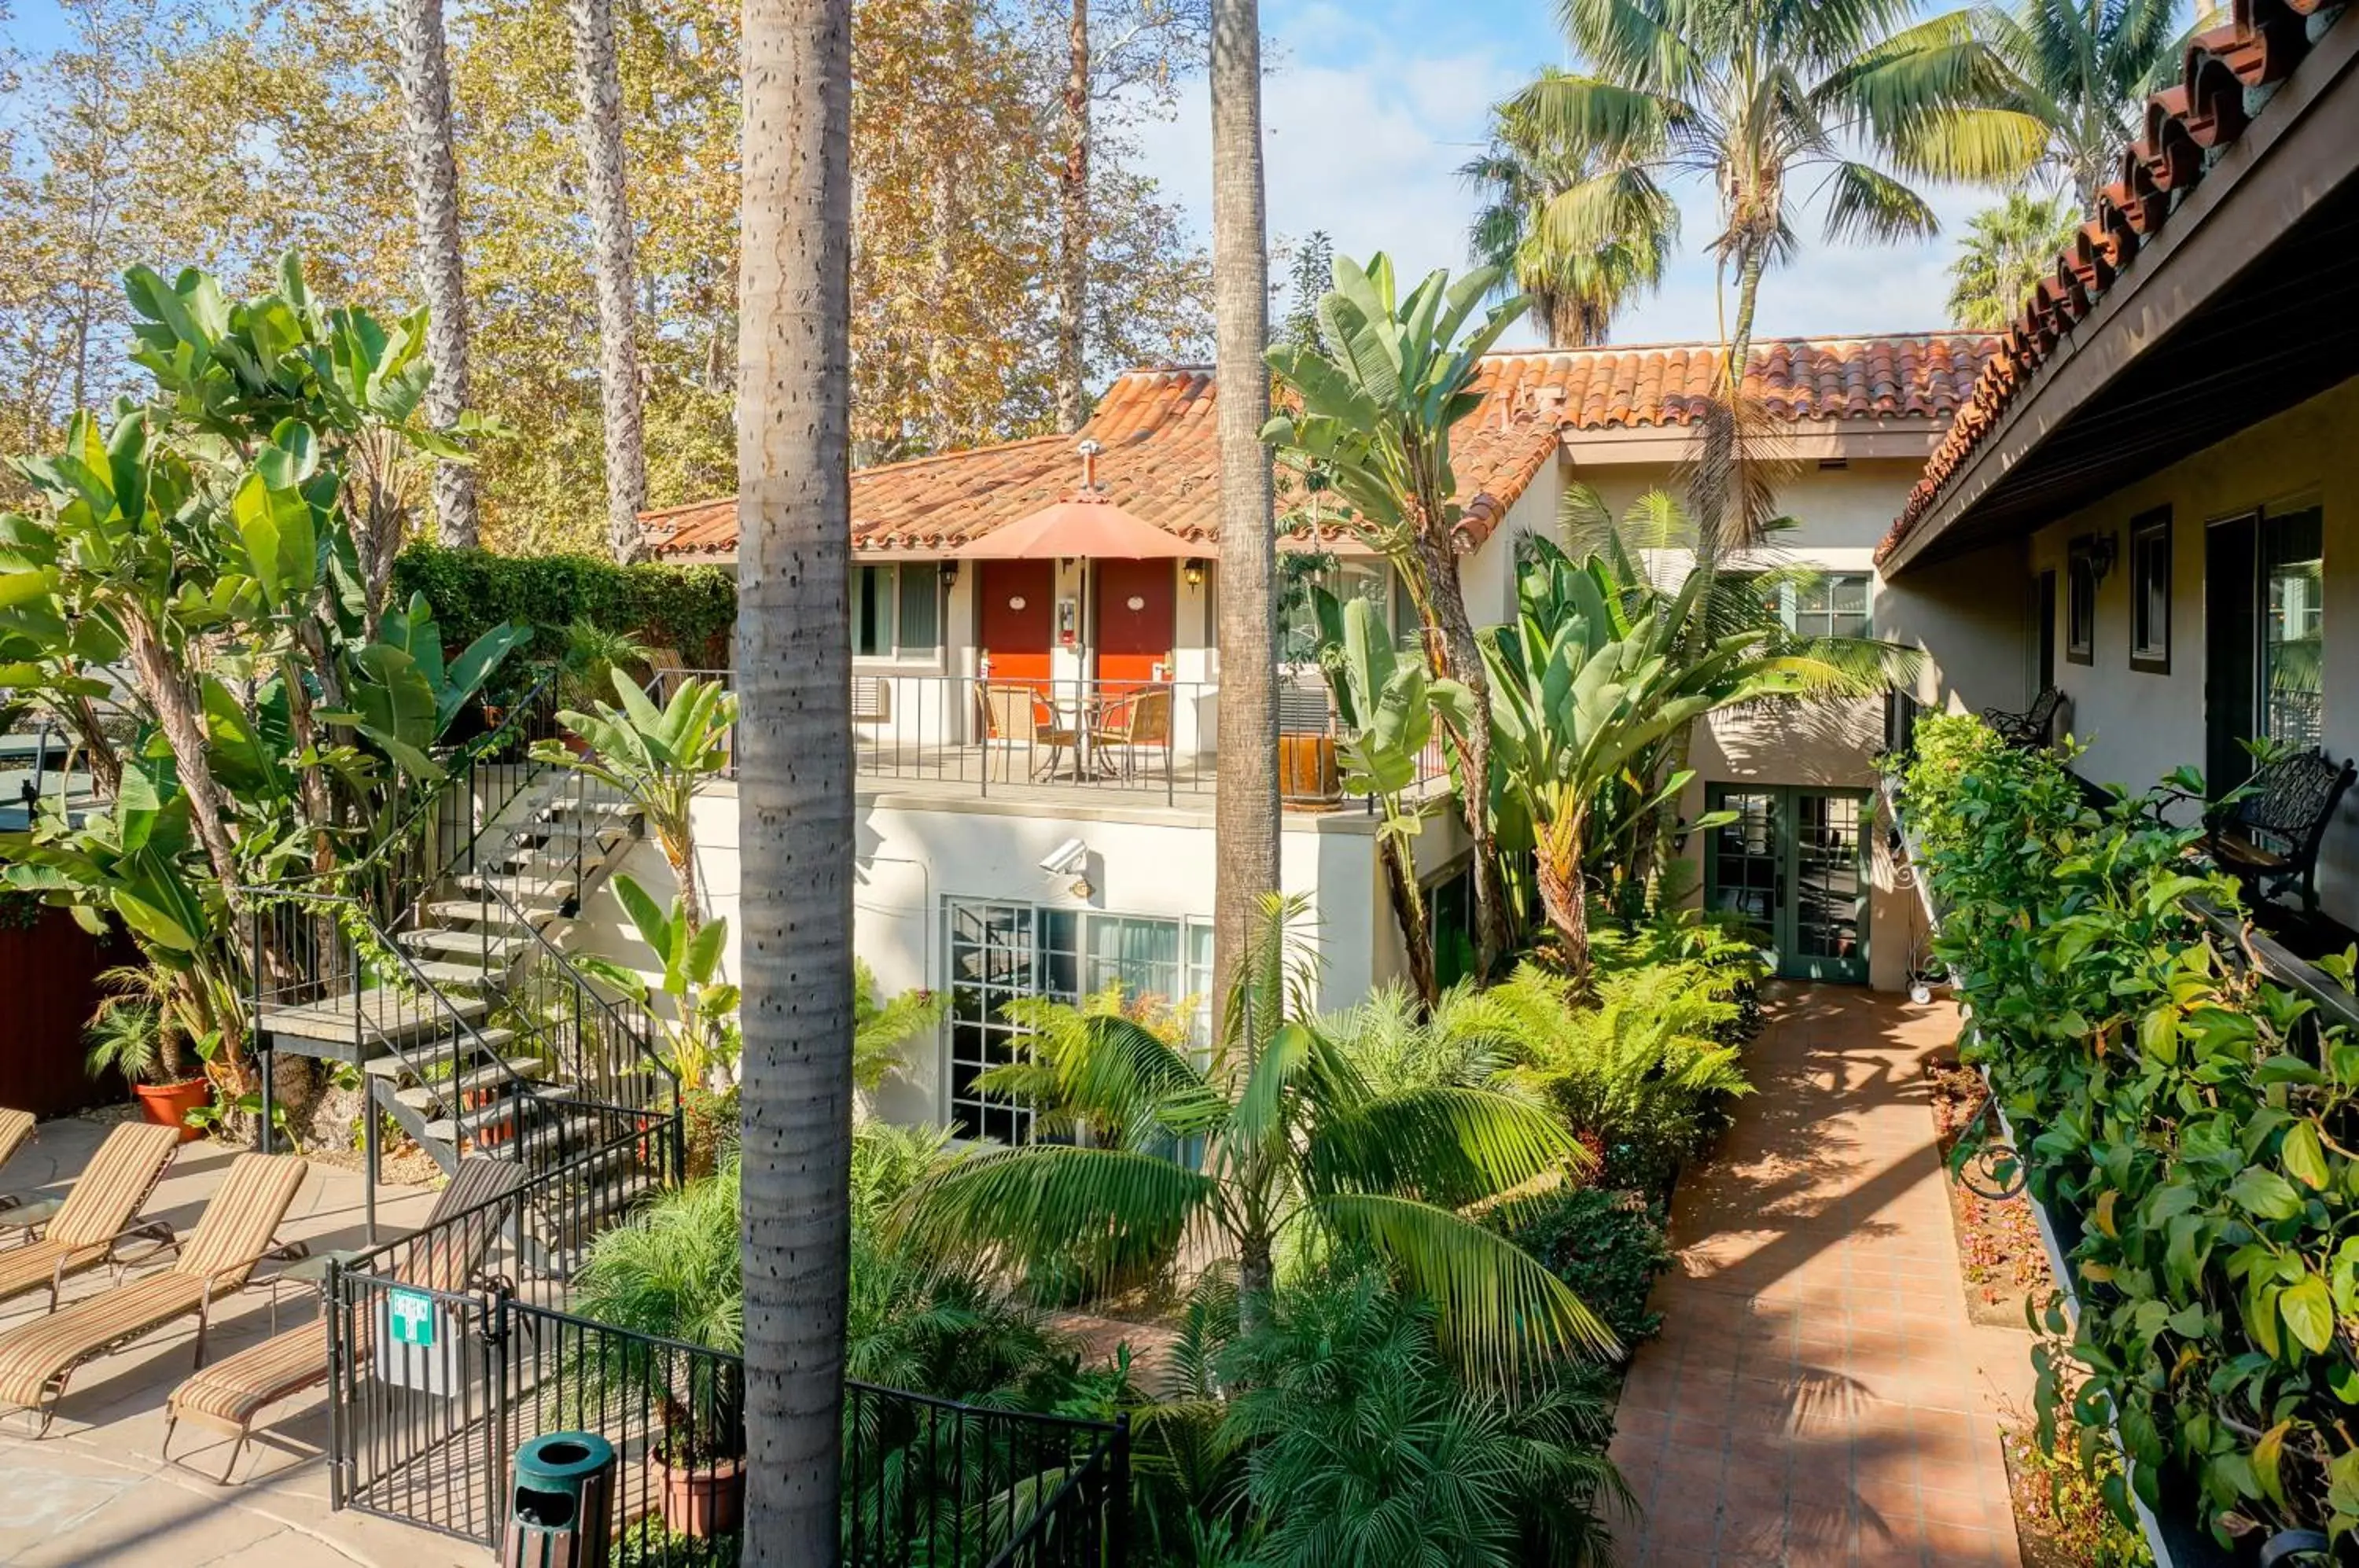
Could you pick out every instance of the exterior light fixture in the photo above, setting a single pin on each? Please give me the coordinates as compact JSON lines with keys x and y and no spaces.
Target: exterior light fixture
{"x":1192,"y":569}
{"x":950,"y":573}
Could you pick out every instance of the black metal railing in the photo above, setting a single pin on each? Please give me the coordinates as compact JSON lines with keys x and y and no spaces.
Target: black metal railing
{"x":436,"y":1380}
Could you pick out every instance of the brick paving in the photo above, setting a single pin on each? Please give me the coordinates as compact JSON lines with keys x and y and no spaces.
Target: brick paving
{"x":1818,"y":1395}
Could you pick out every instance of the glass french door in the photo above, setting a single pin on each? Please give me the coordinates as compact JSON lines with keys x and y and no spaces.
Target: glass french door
{"x":1793,"y":863}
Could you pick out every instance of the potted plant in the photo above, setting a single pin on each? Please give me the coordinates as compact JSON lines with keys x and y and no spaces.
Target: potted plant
{"x":671,"y":1274}
{"x":135,"y":1032}
{"x":587,"y":671}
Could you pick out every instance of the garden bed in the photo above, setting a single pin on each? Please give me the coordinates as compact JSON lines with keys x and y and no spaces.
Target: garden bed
{"x":1999,"y":1249}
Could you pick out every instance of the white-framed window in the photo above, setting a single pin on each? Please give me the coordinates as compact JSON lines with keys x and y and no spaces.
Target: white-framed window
{"x":1829,"y":604}
{"x":2150,"y":591}
{"x":1001,"y":950}
{"x":1348,"y":578}
{"x":896,"y":610}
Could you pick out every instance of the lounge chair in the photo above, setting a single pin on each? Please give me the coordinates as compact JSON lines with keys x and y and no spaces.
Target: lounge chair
{"x":97,"y":1213}
{"x":37,"y":1358}
{"x":15,"y":1129}
{"x":229,"y":1393}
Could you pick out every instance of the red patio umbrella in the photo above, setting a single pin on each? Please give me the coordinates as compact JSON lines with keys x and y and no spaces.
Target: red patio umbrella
{"x":1087,"y":526}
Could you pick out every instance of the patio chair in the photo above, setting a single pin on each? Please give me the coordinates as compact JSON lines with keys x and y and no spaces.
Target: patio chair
{"x":1015,"y":715}
{"x":2028,"y":730}
{"x":2269,"y":836}
{"x":38,"y":1358}
{"x":1139,"y":721}
{"x":229,"y":1393}
{"x":97,"y":1215}
{"x":16,"y":1131}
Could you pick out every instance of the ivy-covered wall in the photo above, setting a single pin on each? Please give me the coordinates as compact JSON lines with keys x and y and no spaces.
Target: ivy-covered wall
{"x":691,"y":610}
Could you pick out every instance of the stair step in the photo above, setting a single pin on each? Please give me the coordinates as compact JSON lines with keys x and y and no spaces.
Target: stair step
{"x":429,"y":1096}
{"x":465,"y":943}
{"x":392,"y":1068}
{"x":442,"y":972}
{"x":619,"y":810}
{"x":449,"y":1130}
{"x":483,"y":912}
{"x":526,"y":889}
{"x":379,"y":1012}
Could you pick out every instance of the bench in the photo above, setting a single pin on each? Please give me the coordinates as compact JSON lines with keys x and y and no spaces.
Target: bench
{"x":2029,"y":729}
{"x":2267,"y":834}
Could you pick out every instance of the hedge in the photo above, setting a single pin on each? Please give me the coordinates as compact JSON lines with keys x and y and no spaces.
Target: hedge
{"x":691,"y":610}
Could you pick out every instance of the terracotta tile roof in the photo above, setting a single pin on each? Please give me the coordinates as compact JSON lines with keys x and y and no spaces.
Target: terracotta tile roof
{"x":2186,"y":125}
{"x":1157,"y":427}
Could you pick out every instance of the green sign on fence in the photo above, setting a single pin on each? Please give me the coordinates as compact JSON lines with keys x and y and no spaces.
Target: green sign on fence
{"x":413,"y":1317}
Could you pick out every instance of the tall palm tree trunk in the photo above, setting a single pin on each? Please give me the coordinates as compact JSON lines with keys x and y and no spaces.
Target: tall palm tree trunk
{"x":1074,"y":226}
{"x":1246,"y":803}
{"x":794,"y":662}
{"x":597,"y":80}
{"x":424,"y":71}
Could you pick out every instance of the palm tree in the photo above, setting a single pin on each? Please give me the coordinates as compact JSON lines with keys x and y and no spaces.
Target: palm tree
{"x":2084,"y":71}
{"x":1245,"y":799}
{"x":1275,"y":1139}
{"x":597,"y":80}
{"x":2007,"y":250}
{"x":1073,"y":224}
{"x":794,"y":650}
{"x":423,"y":67}
{"x":1576,"y":289}
{"x":1760,"y":95}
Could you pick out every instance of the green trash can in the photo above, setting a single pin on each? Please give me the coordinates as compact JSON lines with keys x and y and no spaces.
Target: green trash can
{"x":561,"y":1510}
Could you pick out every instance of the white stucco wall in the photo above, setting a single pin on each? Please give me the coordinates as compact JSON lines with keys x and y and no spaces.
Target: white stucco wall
{"x":914,"y":850}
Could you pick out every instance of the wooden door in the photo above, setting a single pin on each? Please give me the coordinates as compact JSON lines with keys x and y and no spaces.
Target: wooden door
{"x":1138,"y":619}
{"x":1016,"y":617}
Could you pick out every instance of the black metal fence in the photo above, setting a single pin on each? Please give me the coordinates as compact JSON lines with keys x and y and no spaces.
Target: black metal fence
{"x":450,"y":1347}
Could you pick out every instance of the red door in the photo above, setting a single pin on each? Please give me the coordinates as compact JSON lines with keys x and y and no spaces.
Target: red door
{"x":1138,"y":619}
{"x":1016,"y":622}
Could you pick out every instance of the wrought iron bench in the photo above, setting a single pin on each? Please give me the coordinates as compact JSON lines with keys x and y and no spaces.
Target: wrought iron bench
{"x":2268,"y":836}
{"x":2027,"y":729}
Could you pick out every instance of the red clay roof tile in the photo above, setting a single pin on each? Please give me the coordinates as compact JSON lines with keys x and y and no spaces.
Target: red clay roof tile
{"x":2257,"y":47}
{"x":1157,"y":427}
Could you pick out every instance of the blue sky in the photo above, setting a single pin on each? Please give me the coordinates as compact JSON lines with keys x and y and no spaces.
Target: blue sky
{"x":1374,"y":105}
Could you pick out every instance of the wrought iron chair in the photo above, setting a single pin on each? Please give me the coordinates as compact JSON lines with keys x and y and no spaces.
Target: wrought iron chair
{"x":1141,"y":720}
{"x":2268,"y":836}
{"x":2029,"y":729}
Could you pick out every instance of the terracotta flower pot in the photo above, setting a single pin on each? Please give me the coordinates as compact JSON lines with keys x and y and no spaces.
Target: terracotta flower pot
{"x":700,"y":1502}
{"x":497,"y":1131}
{"x":168,"y":1104}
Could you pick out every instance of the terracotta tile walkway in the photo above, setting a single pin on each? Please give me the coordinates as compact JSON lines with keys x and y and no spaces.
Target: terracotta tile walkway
{"x":1818,"y":1395}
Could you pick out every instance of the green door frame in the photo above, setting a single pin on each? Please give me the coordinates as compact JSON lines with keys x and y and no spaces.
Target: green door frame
{"x":1786,"y":850}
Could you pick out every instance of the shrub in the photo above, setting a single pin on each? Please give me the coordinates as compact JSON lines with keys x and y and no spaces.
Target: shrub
{"x":691,"y":610}
{"x":1366,"y":1448}
{"x":1640,"y":1068}
{"x":1605,"y":1245}
{"x":2192,"y":1116}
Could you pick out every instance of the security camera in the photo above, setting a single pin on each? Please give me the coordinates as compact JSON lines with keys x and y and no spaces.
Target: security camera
{"x":1067,"y":858}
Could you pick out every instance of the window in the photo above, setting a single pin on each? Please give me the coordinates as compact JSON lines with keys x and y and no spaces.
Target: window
{"x":2080,"y":603}
{"x":1347,"y":579}
{"x":1820,"y":605}
{"x":1001,"y":952}
{"x":2293,"y":627}
{"x":896,"y":610}
{"x":2150,"y":591}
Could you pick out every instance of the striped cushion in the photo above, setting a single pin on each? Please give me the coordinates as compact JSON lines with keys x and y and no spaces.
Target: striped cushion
{"x":35,"y":1352}
{"x":31,"y":1267}
{"x":16,"y":1126}
{"x":236,"y":1229}
{"x":231,"y":1390}
{"x":114,"y":1183}
{"x":242,"y":1217}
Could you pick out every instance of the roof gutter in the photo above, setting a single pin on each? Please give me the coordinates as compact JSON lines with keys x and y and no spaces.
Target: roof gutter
{"x":2294,"y":154}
